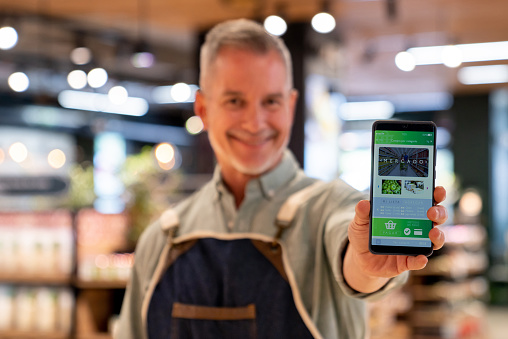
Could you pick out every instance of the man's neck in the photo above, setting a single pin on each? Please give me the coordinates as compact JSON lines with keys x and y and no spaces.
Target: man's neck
{"x":236,"y":184}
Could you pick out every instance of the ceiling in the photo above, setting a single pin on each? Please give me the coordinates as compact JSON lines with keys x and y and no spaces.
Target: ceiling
{"x":369,"y":32}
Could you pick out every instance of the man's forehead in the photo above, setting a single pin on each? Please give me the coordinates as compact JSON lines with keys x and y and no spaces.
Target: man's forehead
{"x":233,"y":56}
{"x":235,"y":92}
{"x":232,"y":51}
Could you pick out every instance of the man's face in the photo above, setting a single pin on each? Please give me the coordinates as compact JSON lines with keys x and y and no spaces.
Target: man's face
{"x":247,"y":107}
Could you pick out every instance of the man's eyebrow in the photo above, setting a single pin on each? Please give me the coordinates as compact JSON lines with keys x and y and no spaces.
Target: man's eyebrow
{"x":231,"y":93}
{"x":277,"y":95}
{"x":238,"y":93}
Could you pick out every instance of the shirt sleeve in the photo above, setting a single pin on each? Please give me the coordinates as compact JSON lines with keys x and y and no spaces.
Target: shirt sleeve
{"x":336,"y":242}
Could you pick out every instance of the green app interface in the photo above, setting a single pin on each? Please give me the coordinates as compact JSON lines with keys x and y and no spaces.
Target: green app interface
{"x":402,"y":188}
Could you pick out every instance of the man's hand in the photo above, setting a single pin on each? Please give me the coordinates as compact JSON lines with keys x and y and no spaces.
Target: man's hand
{"x":367,"y":272}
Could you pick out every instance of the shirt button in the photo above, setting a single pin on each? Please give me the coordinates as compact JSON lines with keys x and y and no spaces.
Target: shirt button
{"x":230,"y":225}
{"x":271,"y":193}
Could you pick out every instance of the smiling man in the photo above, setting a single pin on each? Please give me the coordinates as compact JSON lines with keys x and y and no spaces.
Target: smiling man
{"x":247,"y":106}
{"x":261,"y":251}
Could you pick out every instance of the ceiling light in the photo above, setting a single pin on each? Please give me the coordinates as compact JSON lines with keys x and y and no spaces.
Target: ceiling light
{"x":77,"y":79}
{"x":18,"y":152}
{"x":97,"y":77}
{"x":323,"y":22}
{"x":405,"y":61}
{"x":164,"y":94}
{"x":8,"y":37}
{"x":97,"y":102}
{"x":181,"y":92}
{"x":81,"y":55}
{"x":451,"y":56}
{"x":477,"y":75}
{"x":427,"y":55}
{"x":275,"y":25}
{"x":18,"y":82}
{"x":366,"y":110}
{"x":142,"y":57}
{"x":486,"y":51}
{"x":118,"y":95}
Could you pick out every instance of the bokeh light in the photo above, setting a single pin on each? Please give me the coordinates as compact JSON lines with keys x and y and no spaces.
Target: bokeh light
{"x":56,"y":158}
{"x":118,"y":95}
{"x":194,"y":125}
{"x":8,"y":38}
{"x":97,"y":77}
{"x":77,"y":79}
{"x":405,"y":61}
{"x":18,"y":82}
{"x":180,"y":92}
{"x":275,"y":25}
{"x":18,"y":152}
{"x":164,"y":153}
{"x":323,"y":22}
{"x":81,"y":55}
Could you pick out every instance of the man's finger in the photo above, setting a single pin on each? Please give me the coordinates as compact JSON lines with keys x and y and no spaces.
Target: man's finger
{"x":358,"y":232}
{"x":417,"y":263}
{"x":439,"y":194}
{"x":437,"y":214}
{"x":362,"y":210}
{"x":437,"y":237}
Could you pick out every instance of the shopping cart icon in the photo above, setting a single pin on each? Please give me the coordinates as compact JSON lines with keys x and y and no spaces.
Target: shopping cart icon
{"x":390,"y":225}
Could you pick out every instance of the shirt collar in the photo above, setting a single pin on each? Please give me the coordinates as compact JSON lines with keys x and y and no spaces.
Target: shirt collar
{"x":269,"y":182}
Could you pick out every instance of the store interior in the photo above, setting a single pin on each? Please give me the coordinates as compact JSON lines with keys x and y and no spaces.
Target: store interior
{"x":98,"y":137}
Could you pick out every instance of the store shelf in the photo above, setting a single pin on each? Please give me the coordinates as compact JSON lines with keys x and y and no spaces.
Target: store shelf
{"x":100,"y":284}
{"x":448,"y":295}
{"x":35,"y":279}
{"x":33,"y":335}
{"x":94,"y":336}
{"x":398,"y":331}
{"x":69,"y":266}
{"x":459,"y":264}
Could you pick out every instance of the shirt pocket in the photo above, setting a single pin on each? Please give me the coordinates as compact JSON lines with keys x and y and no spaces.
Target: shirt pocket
{"x":206,"y":322}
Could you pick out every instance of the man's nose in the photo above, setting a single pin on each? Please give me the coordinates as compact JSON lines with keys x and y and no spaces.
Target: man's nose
{"x":254,"y":118}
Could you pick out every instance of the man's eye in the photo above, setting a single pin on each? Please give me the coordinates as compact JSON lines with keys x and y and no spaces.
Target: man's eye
{"x":234,"y":102}
{"x":273,"y":102}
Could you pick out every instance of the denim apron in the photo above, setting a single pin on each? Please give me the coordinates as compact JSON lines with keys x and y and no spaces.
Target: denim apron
{"x":209,"y":286}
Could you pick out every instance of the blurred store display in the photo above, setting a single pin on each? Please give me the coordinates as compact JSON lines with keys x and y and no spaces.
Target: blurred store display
{"x":445,"y":300}
{"x":36,"y":295}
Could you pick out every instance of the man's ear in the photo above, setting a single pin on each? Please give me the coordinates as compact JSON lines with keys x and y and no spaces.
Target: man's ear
{"x":200,"y":108}
{"x":293,"y":98}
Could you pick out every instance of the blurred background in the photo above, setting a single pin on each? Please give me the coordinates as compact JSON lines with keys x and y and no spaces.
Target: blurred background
{"x":98,"y":136}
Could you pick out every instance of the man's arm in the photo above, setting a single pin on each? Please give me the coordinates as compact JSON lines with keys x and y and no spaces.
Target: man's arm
{"x":366,"y":272}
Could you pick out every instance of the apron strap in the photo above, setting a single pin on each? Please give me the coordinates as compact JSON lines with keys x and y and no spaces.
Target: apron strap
{"x":169,"y":223}
{"x":288,"y":210}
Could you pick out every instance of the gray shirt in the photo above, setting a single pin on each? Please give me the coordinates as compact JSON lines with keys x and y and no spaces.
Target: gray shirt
{"x":314,"y":245}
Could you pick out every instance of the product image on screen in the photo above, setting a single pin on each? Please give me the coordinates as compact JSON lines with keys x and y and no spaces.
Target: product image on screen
{"x":402,"y":188}
{"x":403,"y":162}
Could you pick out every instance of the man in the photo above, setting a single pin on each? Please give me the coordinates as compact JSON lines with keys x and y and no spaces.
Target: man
{"x":221,"y":264}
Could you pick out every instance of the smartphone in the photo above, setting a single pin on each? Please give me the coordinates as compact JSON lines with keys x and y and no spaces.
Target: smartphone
{"x":402,"y":187}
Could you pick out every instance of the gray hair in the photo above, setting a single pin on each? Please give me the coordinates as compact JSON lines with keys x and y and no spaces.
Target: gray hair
{"x":246,"y":35}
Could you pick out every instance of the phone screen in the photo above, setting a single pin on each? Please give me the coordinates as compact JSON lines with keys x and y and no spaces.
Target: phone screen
{"x":402,"y":187}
